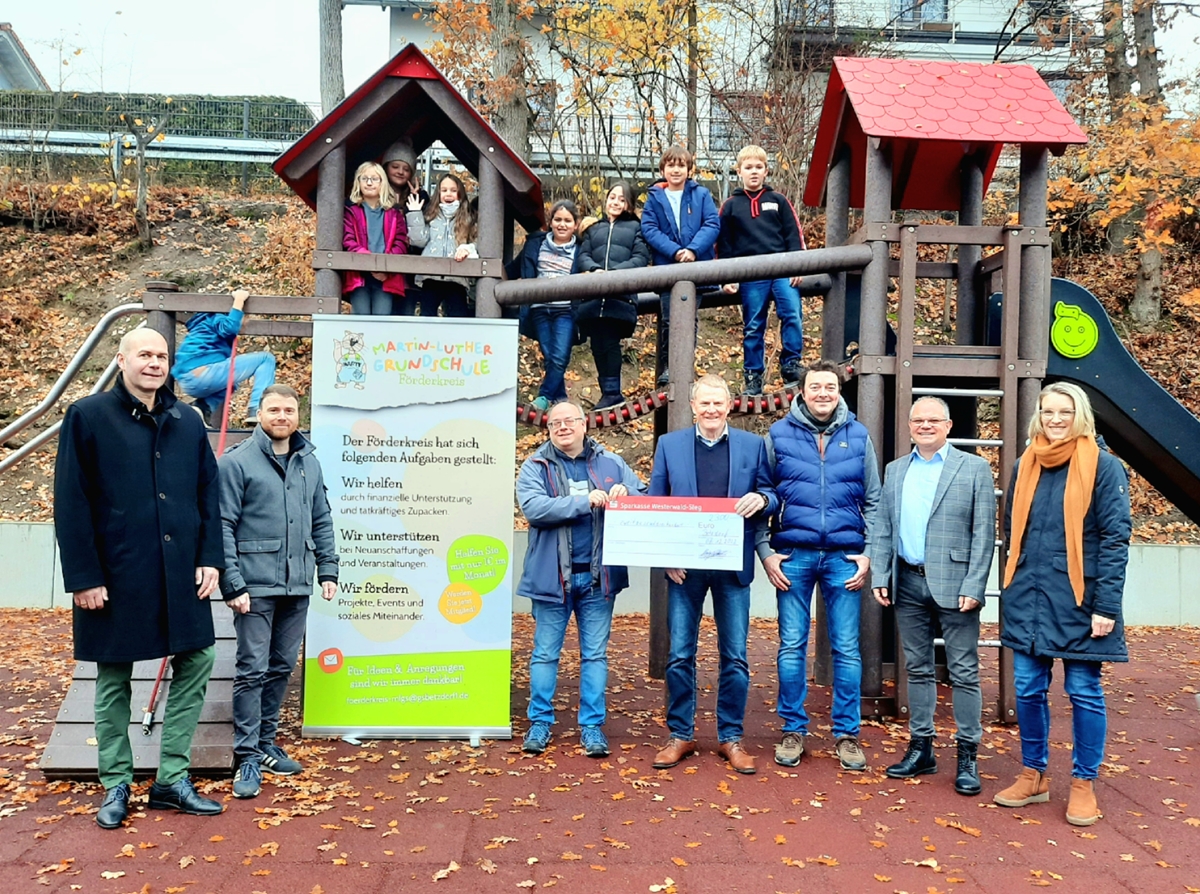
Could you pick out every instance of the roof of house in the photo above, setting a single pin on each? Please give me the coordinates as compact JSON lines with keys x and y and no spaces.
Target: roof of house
{"x":409,"y":97}
{"x":933,"y":114}
{"x":17,"y":70}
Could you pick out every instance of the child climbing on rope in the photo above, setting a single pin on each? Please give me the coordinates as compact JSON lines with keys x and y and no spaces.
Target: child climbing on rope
{"x":202,"y":363}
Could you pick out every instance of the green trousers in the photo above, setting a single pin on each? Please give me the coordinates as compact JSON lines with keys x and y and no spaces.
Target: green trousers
{"x":185,"y":699}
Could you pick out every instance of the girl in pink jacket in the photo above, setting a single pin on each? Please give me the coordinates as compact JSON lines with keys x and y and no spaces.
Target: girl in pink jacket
{"x":373,"y":225}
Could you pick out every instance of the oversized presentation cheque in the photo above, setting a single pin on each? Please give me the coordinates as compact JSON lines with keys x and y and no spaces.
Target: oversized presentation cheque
{"x":674,"y":532}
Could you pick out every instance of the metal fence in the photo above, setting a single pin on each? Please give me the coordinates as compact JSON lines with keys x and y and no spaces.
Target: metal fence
{"x":276,"y":119}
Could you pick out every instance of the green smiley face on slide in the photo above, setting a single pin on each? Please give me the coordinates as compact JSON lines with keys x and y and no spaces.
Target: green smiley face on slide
{"x":1074,"y":333}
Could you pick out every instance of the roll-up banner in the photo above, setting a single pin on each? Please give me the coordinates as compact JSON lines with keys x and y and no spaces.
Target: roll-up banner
{"x":414,"y":423}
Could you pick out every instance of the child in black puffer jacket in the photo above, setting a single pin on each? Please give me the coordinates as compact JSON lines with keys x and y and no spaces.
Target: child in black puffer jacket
{"x":614,"y":243}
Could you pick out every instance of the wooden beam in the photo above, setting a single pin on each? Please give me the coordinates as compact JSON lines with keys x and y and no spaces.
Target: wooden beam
{"x":430,"y":266}
{"x":519,"y":179}
{"x":945,"y":234}
{"x":255,"y":304}
{"x":927,"y":269}
{"x":344,"y":128}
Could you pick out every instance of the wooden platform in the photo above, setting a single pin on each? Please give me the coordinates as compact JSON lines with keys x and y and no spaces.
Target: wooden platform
{"x":71,"y":752}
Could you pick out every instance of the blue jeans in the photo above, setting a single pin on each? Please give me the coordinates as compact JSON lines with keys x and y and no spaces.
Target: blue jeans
{"x":554,"y":328}
{"x":207,"y":383}
{"x":831,"y":569}
{"x":731,"y":610}
{"x":268,"y":640}
{"x":1081,"y":679}
{"x":756,"y":302}
{"x":593,"y":617}
{"x":370,"y":299}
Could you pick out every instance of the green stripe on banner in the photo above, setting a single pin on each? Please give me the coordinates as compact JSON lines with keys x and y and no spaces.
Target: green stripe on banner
{"x":435,"y":689}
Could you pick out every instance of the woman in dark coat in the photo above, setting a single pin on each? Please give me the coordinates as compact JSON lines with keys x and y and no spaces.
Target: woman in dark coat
{"x":614,"y":243}
{"x":1067,"y":525}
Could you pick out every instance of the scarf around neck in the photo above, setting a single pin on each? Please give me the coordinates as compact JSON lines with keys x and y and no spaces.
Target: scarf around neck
{"x":1082,"y":455}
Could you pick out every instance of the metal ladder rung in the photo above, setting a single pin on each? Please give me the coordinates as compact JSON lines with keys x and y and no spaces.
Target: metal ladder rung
{"x":976,"y":442}
{"x":956,"y":392}
{"x":983,"y":643}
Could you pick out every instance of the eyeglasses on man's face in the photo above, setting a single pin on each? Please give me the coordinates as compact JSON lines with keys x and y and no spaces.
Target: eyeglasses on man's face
{"x":920,"y":423}
{"x":569,"y":422}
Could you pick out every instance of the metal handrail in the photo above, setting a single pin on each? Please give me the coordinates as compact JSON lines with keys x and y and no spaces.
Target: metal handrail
{"x":98,"y":332}
{"x":44,"y":437}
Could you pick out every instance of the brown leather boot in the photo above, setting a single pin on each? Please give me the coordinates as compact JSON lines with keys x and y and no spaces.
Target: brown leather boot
{"x":740,"y":759}
{"x":1031,"y":787}
{"x":1082,"y":809}
{"x":673,"y":752}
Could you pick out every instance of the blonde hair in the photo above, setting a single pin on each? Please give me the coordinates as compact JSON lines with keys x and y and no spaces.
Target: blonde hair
{"x":751,"y":151}
{"x":1084,"y":422}
{"x":387,"y":195}
{"x":710,"y":380}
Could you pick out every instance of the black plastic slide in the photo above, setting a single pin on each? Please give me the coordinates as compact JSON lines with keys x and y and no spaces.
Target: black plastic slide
{"x":1141,"y":422}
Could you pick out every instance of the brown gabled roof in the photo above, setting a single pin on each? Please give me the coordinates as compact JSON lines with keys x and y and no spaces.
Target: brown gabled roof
{"x":409,"y":97}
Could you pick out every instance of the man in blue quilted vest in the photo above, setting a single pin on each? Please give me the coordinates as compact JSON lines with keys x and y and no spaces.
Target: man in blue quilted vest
{"x":826,"y":476}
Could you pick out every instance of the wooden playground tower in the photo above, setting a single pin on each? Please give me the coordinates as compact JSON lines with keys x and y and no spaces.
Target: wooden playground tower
{"x":894,"y":135}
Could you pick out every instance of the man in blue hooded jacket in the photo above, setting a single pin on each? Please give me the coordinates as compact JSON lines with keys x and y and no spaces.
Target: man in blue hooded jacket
{"x":202,"y":363}
{"x":563,"y":489}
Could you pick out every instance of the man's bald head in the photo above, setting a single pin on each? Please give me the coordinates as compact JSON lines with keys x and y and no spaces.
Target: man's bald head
{"x":144,"y":363}
{"x":136,"y":338}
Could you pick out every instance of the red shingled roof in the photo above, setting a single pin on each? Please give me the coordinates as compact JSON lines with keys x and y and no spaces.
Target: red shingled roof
{"x":933,"y":114}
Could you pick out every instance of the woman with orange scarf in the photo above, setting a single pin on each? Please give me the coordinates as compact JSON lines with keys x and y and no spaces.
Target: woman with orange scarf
{"x":1067,"y":525}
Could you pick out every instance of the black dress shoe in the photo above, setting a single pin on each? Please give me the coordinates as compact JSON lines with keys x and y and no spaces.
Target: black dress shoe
{"x":917,"y":761}
{"x":182,"y":796}
{"x":115,"y":807}
{"x":967,"y":781}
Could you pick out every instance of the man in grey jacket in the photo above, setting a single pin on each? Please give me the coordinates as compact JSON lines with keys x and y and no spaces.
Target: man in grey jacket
{"x":936,"y":533}
{"x":278,"y":534}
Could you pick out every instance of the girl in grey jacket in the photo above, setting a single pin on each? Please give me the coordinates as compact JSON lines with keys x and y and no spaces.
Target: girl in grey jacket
{"x":444,"y":229}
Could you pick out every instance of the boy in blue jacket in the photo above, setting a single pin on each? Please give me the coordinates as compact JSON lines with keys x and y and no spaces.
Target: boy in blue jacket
{"x":202,"y":363}
{"x":679,"y":221}
{"x":756,"y":220}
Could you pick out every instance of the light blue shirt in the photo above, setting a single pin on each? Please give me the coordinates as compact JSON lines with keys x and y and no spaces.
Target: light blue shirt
{"x":916,"y":503}
{"x":675,"y":197}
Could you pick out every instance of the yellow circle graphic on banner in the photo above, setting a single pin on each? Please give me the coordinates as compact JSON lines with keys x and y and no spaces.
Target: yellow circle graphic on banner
{"x":459,"y":603}
{"x":384,"y":609}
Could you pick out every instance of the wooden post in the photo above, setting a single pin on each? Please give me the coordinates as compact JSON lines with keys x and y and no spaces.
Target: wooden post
{"x":682,"y":355}
{"x":837,"y":229}
{"x":490,"y":241}
{"x":1033,"y":334}
{"x":968,"y":327}
{"x":331,"y":201}
{"x":163,"y":322}
{"x":872,"y":339}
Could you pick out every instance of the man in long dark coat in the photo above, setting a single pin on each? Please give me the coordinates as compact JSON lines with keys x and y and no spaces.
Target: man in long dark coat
{"x":139,"y":532}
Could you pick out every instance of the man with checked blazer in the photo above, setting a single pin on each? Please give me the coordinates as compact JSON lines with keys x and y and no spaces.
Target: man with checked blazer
{"x":935,"y":535}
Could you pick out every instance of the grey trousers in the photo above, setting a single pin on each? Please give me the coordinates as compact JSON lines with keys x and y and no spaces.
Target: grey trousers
{"x":268,"y":639}
{"x":917,"y":617}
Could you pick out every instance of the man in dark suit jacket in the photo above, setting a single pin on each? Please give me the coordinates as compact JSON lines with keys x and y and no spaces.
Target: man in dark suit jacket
{"x":139,"y":532}
{"x":711,"y":460}
{"x":937,"y":531}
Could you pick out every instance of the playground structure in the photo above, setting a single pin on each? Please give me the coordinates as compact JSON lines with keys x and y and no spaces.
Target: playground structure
{"x":894,"y":134}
